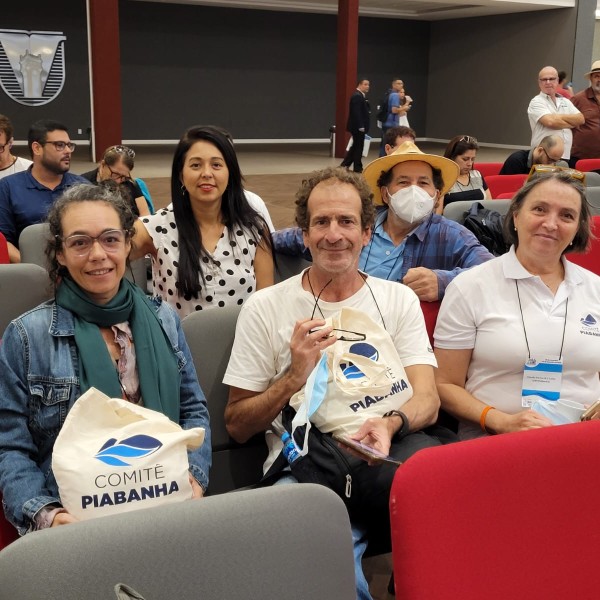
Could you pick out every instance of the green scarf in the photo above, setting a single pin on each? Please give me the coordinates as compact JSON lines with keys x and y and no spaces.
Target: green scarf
{"x":156,"y":362}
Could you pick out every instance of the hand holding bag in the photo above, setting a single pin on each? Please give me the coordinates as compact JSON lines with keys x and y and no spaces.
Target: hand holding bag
{"x":112,"y":456}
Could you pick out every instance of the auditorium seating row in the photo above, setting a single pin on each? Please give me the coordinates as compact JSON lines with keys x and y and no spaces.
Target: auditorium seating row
{"x":584,"y":165}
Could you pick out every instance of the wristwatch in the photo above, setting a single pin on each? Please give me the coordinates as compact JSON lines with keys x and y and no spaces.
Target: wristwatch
{"x":405,"y":429}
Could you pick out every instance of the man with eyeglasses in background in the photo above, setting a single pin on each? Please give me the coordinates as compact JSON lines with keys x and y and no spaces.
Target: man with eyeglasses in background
{"x":551,"y":113}
{"x":547,"y":152}
{"x":26,"y":197}
{"x":9,"y":164}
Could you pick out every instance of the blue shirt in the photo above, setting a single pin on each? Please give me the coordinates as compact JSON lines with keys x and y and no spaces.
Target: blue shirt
{"x":439,"y":244}
{"x":25,"y":201}
{"x":393,"y":119}
{"x":382,"y":258}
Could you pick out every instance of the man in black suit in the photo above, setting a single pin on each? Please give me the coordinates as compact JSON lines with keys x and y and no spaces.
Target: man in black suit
{"x":358,"y":125}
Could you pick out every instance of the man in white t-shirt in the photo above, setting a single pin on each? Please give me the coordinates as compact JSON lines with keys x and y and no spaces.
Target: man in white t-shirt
{"x":281,"y":331}
{"x":551,"y":113}
{"x":9,"y":164}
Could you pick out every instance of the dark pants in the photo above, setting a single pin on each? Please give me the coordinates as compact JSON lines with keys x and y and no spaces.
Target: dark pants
{"x":354,"y":155}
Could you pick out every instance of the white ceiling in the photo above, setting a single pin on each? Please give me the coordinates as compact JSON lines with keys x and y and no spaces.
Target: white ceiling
{"x":423,"y":10}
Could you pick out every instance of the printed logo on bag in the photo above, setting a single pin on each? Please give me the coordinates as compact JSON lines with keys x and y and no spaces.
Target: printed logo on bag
{"x":32,"y":65}
{"x":137,"y":446}
{"x":590,"y":326}
{"x":349,"y":369}
{"x":133,"y":485}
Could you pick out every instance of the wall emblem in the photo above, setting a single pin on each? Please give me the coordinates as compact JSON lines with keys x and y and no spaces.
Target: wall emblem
{"x":32,"y":65}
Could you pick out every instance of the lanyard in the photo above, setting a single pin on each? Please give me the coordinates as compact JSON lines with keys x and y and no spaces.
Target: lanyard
{"x":525,"y":331}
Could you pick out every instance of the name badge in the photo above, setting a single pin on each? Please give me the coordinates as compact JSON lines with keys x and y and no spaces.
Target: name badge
{"x":542,"y":377}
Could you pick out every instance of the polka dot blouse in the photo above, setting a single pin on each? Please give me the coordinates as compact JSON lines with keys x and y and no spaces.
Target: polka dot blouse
{"x":229,"y":278}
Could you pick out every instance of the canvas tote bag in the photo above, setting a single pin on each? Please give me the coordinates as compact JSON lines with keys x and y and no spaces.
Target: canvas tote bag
{"x":112,"y":456}
{"x":354,"y":380}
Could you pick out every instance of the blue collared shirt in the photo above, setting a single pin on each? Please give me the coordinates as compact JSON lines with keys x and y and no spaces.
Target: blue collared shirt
{"x":25,"y":201}
{"x":381,"y":257}
{"x":439,"y":244}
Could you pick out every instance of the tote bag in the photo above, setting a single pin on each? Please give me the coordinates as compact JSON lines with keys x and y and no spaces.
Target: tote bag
{"x":112,"y":456}
{"x":354,"y":380}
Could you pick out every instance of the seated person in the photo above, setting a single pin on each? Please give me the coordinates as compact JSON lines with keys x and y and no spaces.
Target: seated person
{"x":409,"y":243}
{"x":26,"y":197}
{"x":531,"y":303}
{"x":211,"y":248}
{"x":395,"y":136}
{"x":116,"y":165}
{"x":547,"y":152}
{"x":470,"y":184}
{"x":99,"y":331}
{"x":9,"y":163}
{"x":276,"y":348}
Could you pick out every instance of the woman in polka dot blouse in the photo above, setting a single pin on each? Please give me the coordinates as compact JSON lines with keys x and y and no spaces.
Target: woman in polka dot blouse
{"x":209,"y":248}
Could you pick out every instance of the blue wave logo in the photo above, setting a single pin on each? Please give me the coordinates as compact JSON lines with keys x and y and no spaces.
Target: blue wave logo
{"x":115,"y":453}
{"x":589,"y":321}
{"x":350,"y":370}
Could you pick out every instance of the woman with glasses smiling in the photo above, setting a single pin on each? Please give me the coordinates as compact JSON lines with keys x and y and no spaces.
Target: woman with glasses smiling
{"x":470,"y":184}
{"x":99,"y":331}
{"x":116,"y":165}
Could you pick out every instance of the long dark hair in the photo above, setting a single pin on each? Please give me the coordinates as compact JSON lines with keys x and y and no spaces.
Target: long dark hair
{"x":236,"y":213}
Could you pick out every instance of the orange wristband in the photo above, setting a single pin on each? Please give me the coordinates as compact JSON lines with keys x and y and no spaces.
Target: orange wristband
{"x":484,"y":413}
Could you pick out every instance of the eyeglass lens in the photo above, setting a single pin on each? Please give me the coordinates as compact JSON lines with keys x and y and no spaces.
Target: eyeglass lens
{"x":60,"y":146}
{"x":81,"y":244}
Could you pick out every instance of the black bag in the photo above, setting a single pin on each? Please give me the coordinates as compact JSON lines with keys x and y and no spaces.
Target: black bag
{"x":363,"y":489}
{"x":382,"y":108}
{"x":486,"y":224}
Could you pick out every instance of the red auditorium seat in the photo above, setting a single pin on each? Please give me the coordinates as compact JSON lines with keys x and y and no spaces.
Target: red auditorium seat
{"x":4,"y":260}
{"x":487,"y":169}
{"x":507,"y":516}
{"x":589,"y":260}
{"x":502,"y":184}
{"x":430,"y":312}
{"x":587,"y":164}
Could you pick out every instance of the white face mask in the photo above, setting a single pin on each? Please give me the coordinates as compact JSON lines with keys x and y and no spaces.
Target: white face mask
{"x":411,"y":204}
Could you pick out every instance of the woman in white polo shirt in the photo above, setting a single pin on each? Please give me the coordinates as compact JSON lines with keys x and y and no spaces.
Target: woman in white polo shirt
{"x":528,"y":307}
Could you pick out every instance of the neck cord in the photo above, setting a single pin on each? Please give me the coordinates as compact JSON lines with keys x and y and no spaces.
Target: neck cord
{"x":562,"y":343}
{"x":317,"y":297}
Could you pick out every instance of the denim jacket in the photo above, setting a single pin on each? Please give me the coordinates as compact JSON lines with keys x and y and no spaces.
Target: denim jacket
{"x":39,"y":383}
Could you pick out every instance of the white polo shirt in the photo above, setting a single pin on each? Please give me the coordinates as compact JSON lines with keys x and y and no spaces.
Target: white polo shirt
{"x":541,"y":105}
{"x":480,"y":311}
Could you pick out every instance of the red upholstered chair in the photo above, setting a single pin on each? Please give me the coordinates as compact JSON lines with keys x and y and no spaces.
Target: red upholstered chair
{"x":589,"y":260}
{"x":509,"y":516}
{"x":502,"y":184}
{"x":587,"y":164}
{"x":505,"y":196}
{"x":430,"y":312}
{"x":4,"y":260}
{"x":487,"y":169}
{"x":8,"y":533}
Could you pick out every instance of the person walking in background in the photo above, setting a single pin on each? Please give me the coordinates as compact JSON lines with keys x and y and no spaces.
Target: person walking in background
{"x":358,"y":125}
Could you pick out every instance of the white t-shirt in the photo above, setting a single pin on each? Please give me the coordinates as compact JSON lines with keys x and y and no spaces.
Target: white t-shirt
{"x":20,"y":164}
{"x":541,"y":105}
{"x":261,"y":350}
{"x":258,"y":204}
{"x":230,"y":279}
{"x":480,"y":311}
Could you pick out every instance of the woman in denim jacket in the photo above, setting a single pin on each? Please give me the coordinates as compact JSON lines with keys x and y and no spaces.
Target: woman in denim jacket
{"x":100,"y":330}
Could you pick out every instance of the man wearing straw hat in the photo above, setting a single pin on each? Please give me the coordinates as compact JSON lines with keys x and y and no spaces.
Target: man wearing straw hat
{"x":410,"y":243}
{"x":586,"y":137}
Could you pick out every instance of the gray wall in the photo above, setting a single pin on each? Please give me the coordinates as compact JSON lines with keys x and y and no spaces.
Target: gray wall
{"x":260,"y":74}
{"x":72,"y":106}
{"x":483,"y":72}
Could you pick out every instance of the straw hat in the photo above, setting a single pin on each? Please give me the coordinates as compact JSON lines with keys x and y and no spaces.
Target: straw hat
{"x":595,"y":68}
{"x":404,"y":152}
